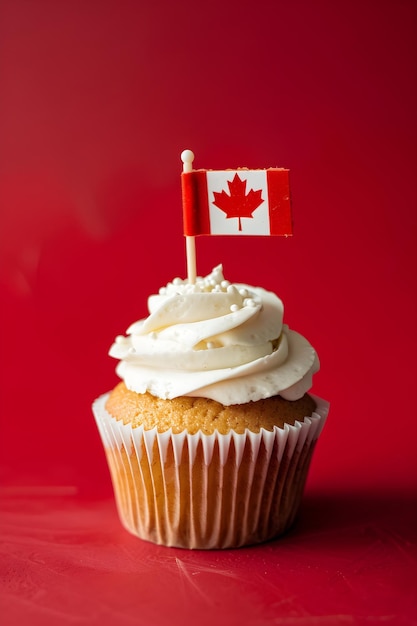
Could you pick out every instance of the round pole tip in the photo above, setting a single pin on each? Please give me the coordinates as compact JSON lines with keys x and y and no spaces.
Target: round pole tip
{"x":187,"y":156}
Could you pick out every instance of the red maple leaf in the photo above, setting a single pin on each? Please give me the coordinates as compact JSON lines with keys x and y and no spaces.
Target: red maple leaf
{"x":238,"y":204}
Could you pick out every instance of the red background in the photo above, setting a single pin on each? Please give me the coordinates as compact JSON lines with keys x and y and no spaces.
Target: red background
{"x":98,"y":101}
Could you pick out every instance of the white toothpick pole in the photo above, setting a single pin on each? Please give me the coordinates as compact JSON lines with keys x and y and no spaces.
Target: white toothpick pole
{"x":187,"y":157}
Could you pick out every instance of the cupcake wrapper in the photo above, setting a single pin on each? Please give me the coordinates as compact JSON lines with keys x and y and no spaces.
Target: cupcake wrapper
{"x":208,"y":491}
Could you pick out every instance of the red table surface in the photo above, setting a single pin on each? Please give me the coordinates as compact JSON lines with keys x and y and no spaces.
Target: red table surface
{"x":98,"y":101}
{"x":349,"y":560}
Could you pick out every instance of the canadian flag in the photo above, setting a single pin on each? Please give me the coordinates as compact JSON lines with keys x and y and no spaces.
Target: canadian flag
{"x":236,"y":202}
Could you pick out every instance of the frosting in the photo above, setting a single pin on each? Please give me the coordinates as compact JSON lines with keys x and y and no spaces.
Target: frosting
{"x":216,"y":340}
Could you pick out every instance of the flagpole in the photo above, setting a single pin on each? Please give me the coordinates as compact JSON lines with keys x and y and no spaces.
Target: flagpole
{"x":187,"y":157}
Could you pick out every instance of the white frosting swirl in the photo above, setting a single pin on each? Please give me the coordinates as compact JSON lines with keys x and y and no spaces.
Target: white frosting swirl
{"x":215,"y":340}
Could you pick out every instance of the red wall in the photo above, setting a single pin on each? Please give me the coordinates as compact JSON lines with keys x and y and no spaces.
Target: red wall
{"x":98,"y":99}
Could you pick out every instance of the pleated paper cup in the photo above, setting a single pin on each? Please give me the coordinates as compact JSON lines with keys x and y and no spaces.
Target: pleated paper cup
{"x":208,"y":491}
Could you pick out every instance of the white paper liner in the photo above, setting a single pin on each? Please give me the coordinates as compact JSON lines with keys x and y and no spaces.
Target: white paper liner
{"x":195,"y":491}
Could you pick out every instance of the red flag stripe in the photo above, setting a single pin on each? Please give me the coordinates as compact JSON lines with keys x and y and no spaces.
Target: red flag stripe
{"x":194,"y":203}
{"x":279,"y":201}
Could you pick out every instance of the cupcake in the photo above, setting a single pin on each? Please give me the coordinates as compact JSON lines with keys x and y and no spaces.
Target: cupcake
{"x":210,"y":433}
